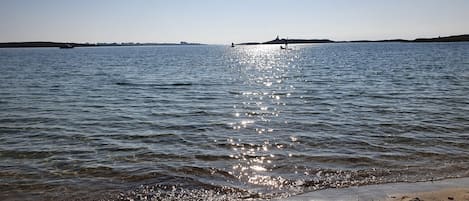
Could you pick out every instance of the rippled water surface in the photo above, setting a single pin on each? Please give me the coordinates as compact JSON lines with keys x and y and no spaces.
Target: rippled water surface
{"x":214,"y":122}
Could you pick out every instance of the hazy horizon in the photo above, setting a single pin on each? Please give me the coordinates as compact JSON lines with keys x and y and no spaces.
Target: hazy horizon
{"x":220,"y":22}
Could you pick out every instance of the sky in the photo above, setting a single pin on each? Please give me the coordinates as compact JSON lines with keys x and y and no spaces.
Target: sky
{"x":226,"y":21}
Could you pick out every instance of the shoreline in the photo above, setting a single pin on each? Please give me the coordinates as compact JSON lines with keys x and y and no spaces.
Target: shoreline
{"x":276,"y":41}
{"x":40,"y":44}
{"x":447,"y":189}
{"x":280,"y":41}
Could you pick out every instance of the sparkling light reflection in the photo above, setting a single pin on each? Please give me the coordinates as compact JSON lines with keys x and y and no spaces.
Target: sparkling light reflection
{"x":264,"y":73}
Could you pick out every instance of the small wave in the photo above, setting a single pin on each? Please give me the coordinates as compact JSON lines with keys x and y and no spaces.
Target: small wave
{"x":184,"y":192}
{"x":121,"y":149}
{"x":203,"y":172}
{"x":176,"y":84}
{"x":235,"y":92}
{"x":181,"y":84}
{"x":151,"y":84}
{"x":27,"y":154}
{"x":192,"y":127}
{"x":212,"y":157}
{"x":201,"y":113}
{"x":187,"y":188}
{"x":138,"y":136}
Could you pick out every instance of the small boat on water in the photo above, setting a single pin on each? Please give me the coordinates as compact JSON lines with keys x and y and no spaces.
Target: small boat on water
{"x":232,"y":45}
{"x":67,"y":46}
{"x":286,"y":45}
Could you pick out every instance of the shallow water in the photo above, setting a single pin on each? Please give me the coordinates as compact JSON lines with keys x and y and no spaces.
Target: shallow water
{"x":214,"y":122}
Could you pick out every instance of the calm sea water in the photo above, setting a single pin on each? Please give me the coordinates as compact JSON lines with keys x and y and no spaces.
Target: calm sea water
{"x":215,"y":122}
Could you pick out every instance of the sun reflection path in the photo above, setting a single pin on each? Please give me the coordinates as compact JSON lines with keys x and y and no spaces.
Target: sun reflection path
{"x":264,"y":73}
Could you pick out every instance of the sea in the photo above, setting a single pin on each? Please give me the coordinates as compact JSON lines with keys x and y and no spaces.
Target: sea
{"x":212,"y":122}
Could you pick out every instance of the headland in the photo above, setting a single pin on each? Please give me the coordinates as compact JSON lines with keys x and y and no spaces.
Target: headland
{"x":455,"y":38}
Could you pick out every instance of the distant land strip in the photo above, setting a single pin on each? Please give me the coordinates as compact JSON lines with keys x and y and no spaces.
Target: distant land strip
{"x":57,"y":44}
{"x":456,"y":38}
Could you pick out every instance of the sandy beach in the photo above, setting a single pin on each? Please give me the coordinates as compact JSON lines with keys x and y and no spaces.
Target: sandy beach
{"x":438,"y":195}
{"x":449,"y":189}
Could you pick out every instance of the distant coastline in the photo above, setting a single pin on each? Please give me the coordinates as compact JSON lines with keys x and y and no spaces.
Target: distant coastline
{"x":62,"y":44}
{"x":455,"y":38}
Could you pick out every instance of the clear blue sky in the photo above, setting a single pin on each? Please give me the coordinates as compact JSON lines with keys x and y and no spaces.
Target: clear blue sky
{"x":226,"y":21}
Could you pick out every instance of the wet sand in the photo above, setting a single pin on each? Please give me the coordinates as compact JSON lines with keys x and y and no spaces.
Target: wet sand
{"x":438,"y":195}
{"x":449,"y":189}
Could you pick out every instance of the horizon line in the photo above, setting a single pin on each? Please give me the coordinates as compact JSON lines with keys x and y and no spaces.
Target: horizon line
{"x":200,"y":43}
